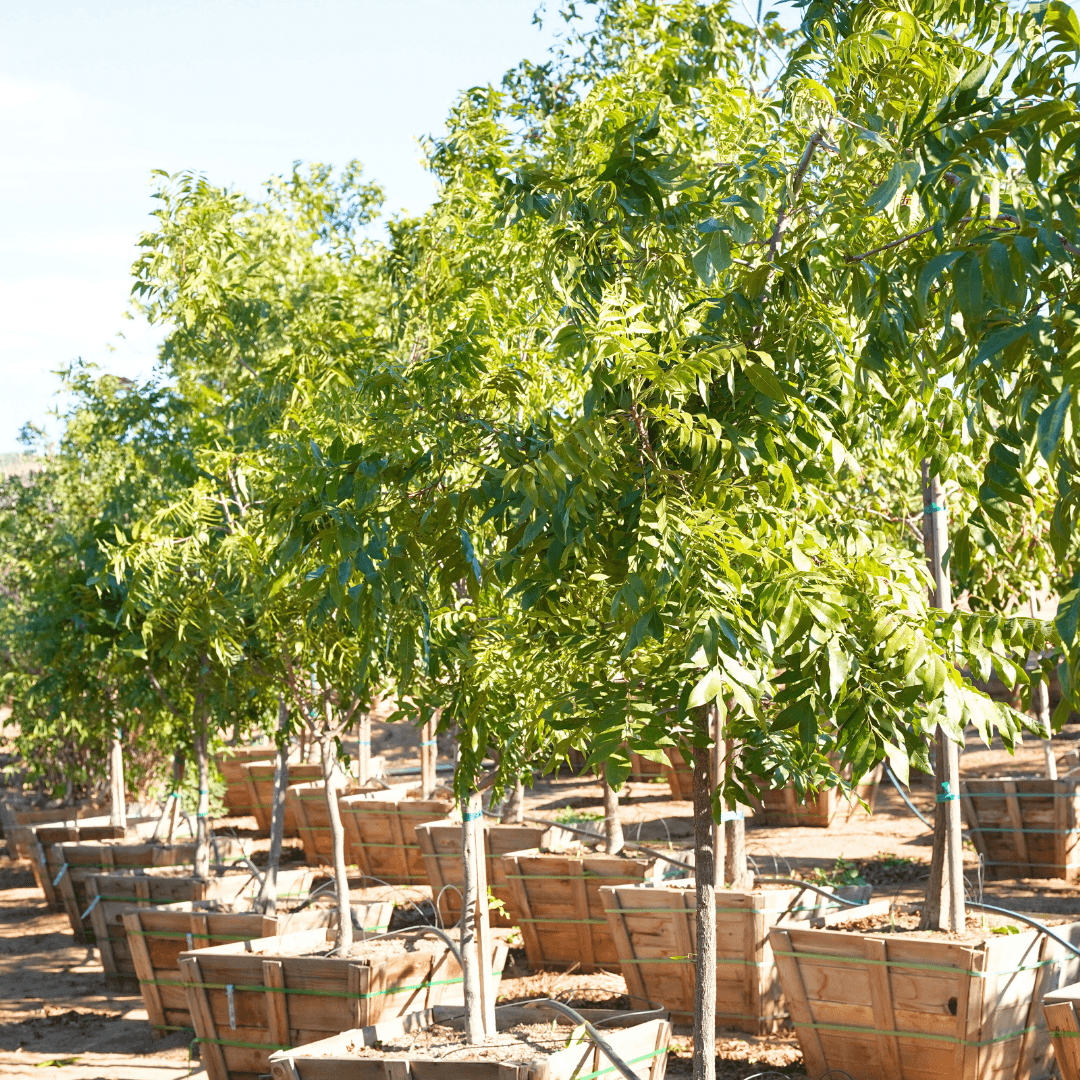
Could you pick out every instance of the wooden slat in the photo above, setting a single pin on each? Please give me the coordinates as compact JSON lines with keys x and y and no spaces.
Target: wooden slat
{"x":1027,"y":1049}
{"x":277,"y":1002}
{"x":144,"y":969}
{"x":798,"y":1003}
{"x":100,"y":928}
{"x":359,"y":983}
{"x":1012,"y":805}
{"x":210,"y":1053}
{"x":1061,"y":1017}
{"x":581,"y":903}
{"x":882,"y":1001}
{"x":616,"y":917}
{"x":533,"y":949}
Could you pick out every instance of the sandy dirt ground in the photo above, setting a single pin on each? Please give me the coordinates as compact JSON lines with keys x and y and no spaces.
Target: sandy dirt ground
{"x":58,"y":1019}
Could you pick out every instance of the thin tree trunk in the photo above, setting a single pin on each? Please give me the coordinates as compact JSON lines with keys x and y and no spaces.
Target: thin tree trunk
{"x":202,"y":813}
{"x":704,"y":1067}
{"x":267,"y":902}
{"x":171,"y":811}
{"x":612,"y":826}
{"x":117,"y":790}
{"x":475,"y":933}
{"x":512,"y":811}
{"x":944,"y":908}
{"x":344,"y":942}
{"x":716,"y":762}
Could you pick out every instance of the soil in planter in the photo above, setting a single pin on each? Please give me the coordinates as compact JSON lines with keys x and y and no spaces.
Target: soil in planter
{"x":380,"y":949}
{"x":979,"y":925}
{"x":518,"y":1044}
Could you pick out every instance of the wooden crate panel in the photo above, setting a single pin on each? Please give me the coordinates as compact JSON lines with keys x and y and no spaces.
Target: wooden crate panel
{"x":1024,"y":826}
{"x":230,"y":763}
{"x":440,"y":846}
{"x":654,"y":929}
{"x":642,"y":1045}
{"x":78,"y":863}
{"x":281,"y":999}
{"x":782,"y":806}
{"x":1060,"y":1012}
{"x":910,"y":1009}
{"x":561,"y":909}
{"x":380,"y":834}
{"x":259,"y":778}
{"x":306,"y":808}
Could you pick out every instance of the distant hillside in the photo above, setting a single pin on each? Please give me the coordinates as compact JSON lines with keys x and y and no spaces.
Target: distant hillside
{"x":16,"y":463}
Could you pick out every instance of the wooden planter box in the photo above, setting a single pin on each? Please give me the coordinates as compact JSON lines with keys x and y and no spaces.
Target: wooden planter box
{"x":157,"y":937}
{"x":641,"y":1043}
{"x":78,"y":863}
{"x":259,"y":778}
{"x":782,"y":807}
{"x":440,"y":846}
{"x":281,"y":1000}
{"x":39,"y":846}
{"x":380,"y":834}
{"x":305,"y":808}
{"x":910,"y":1008}
{"x":1059,"y":1008}
{"x":560,"y":908}
{"x":230,"y":763}
{"x":680,"y":775}
{"x":13,"y":815}
{"x":1024,"y":827}
{"x":644,"y":771}
{"x":655,"y":937}
{"x":111,"y":895}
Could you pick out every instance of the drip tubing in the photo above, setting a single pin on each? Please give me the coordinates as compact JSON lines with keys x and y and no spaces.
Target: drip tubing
{"x":900,"y":791}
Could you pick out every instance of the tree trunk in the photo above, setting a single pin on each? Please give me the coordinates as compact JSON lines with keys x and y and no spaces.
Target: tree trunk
{"x":612,"y":826}
{"x":202,"y":813}
{"x":705,"y":923}
{"x":512,"y":811}
{"x":716,"y":761}
{"x":337,"y":839}
{"x":171,"y":811}
{"x":267,"y":902}
{"x":475,"y":933}
{"x":736,"y":871}
{"x":1040,"y":699}
{"x":944,"y":907}
{"x":117,"y":790}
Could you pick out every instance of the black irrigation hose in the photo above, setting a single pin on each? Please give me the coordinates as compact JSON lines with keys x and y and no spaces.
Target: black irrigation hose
{"x":812,"y":888}
{"x":900,"y":791}
{"x":594,"y":836}
{"x":1041,"y":927}
{"x":593,"y":1034}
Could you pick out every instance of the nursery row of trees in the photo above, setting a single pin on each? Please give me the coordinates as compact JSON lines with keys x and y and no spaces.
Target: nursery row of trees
{"x":631,"y":423}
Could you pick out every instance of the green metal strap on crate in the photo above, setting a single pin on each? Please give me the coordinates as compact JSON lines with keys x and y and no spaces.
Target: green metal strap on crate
{"x":954,"y":1039}
{"x":690,"y":960}
{"x":243,"y":1045}
{"x":719,"y":910}
{"x":173,"y":936}
{"x":611,"y":1068}
{"x":325,"y":993}
{"x":576,"y":877}
{"x":916,"y":967}
{"x":571,"y":922}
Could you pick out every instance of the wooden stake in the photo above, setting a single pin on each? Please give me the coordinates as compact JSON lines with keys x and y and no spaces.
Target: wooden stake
{"x":337,"y":840}
{"x":944,"y":908}
{"x":117,"y":792}
{"x":363,"y":749}
{"x":475,"y":936}
{"x":1040,"y":702}
{"x":202,"y":813}
{"x":429,"y":756}
{"x":512,"y":811}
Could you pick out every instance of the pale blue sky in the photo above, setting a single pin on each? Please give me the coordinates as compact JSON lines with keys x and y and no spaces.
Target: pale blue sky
{"x":95,"y":95}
